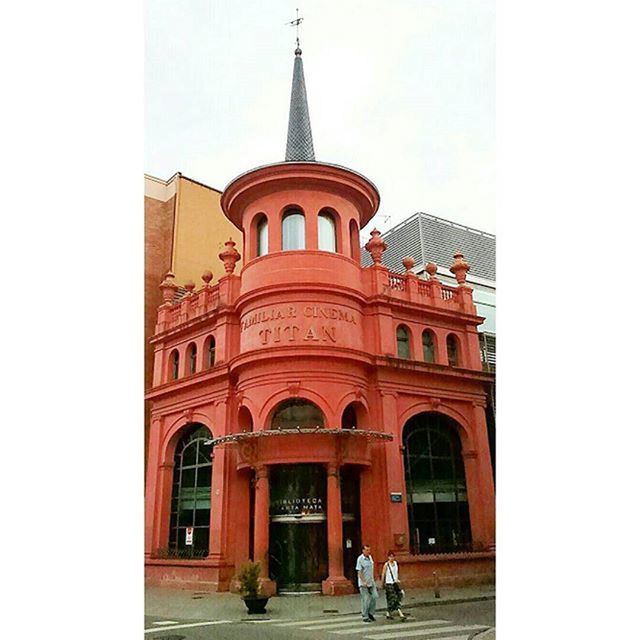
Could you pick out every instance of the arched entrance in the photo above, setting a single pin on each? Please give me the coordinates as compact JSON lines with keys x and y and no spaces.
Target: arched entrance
{"x":297,"y":509}
{"x":298,"y":526}
{"x":436,"y":487}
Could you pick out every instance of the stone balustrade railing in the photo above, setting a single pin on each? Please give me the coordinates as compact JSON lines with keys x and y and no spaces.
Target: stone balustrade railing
{"x":191,"y":306}
{"x":376,"y":280}
{"x":432,"y":292}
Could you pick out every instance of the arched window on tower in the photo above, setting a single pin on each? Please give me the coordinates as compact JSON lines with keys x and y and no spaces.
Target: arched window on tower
{"x":293,"y":233}
{"x":326,"y":232}
{"x":428,"y":346}
{"x":174,"y":364}
{"x":453,"y":351}
{"x":435,"y":483}
{"x":297,"y":413}
{"x":354,"y":239}
{"x":262,"y":234}
{"x":193,"y":355}
{"x":402,"y":340}
{"x":191,"y":495}
{"x":211,"y":351}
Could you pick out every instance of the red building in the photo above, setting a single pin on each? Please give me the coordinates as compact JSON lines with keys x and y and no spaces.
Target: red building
{"x":308,"y":405}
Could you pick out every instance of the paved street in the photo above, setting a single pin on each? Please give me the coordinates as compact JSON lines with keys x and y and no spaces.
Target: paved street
{"x":460,"y":621}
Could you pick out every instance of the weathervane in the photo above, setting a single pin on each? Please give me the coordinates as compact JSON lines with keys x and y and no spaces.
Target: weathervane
{"x":296,"y":23}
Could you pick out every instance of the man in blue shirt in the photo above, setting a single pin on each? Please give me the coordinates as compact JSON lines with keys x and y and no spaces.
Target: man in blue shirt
{"x":366,"y":584}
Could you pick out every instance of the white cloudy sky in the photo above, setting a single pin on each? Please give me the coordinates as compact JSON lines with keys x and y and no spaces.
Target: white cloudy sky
{"x":402,"y":91}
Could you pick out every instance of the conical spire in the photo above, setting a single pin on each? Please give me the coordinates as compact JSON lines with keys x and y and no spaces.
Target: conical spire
{"x":299,"y":140}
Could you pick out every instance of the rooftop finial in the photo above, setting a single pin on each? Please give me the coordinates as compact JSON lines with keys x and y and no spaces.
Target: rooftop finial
{"x":296,"y":23}
{"x":299,"y":139}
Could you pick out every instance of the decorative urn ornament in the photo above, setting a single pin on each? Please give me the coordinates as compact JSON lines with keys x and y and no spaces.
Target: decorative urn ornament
{"x":168,"y":287}
{"x":207,"y":277}
{"x":229,"y":256}
{"x":431,"y":268}
{"x":459,"y":268}
{"x":189,"y":285}
{"x":376,"y":246}
{"x":408,"y":262}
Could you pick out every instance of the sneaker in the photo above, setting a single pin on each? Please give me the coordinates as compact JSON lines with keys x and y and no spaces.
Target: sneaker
{"x":367,"y":620}
{"x":388,"y":616}
{"x":372,"y":619}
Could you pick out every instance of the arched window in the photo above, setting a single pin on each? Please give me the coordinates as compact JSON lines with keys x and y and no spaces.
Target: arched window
{"x":245,"y":421}
{"x":354,"y":239}
{"x":262,"y":234}
{"x":211,"y":351}
{"x":349,"y":418}
{"x":452,"y":350}
{"x":293,"y":236}
{"x":402,"y":339}
{"x":175,"y":364}
{"x":428,"y":346}
{"x":436,"y":487}
{"x":193,"y":355}
{"x":326,"y":232}
{"x":191,"y":495}
{"x":297,"y":413}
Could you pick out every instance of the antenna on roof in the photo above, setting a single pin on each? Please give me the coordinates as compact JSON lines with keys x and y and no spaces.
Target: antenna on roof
{"x":296,"y":23}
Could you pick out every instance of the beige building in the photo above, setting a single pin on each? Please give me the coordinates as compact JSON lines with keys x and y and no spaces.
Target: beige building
{"x":184,"y":231}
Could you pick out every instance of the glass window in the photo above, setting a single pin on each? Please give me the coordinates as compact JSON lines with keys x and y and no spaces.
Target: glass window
{"x":191,"y":497}
{"x":193,"y":354}
{"x":402,"y":338}
{"x":263,"y":236}
{"x":452,"y":350}
{"x":175,"y":363}
{"x":428,"y":349}
{"x":297,"y":413}
{"x":326,"y":232}
{"x":436,"y":487}
{"x":293,"y":236}
{"x":211,"y":352}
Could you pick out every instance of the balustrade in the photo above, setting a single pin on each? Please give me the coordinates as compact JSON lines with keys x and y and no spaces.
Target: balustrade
{"x":189,"y":307}
{"x":448,"y":293}
{"x":397,"y":282}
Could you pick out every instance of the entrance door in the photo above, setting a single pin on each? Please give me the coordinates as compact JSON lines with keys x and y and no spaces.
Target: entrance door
{"x":351,"y":540}
{"x":298,"y":527}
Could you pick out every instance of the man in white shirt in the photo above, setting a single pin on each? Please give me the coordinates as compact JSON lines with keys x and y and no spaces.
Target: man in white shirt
{"x":366,"y":584}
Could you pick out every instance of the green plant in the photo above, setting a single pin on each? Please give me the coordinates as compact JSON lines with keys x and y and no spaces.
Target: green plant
{"x":249,"y":578}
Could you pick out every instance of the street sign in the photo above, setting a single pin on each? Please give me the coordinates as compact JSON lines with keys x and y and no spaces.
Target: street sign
{"x":189,"y":536}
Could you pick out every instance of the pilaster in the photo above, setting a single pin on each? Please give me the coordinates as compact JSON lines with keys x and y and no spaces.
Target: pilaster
{"x":397,"y":521}
{"x":261,"y":528}
{"x":152,"y":484}
{"x":336,"y":583}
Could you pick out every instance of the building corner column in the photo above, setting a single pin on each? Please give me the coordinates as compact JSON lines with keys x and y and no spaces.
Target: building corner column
{"x":397,"y":520}
{"x":485,"y":474}
{"x":261,"y":528}
{"x":218,"y":522}
{"x":336,"y":584}
{"x":152,"y":487}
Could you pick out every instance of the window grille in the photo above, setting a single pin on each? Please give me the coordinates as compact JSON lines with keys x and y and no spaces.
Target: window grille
{"x":191,"y":494}
{"x":436,"y":487}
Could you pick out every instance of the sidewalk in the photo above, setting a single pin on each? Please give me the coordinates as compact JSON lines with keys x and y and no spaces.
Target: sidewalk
{"x":193,"y":605}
